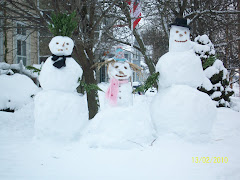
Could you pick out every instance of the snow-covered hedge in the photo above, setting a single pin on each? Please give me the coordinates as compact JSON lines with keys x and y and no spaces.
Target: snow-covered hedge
{"x":16,"y":90}
{"x":215,"y":71}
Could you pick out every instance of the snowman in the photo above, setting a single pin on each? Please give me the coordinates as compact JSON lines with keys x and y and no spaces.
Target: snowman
{"x":119,"y":92}
{"x":178,"y":107}
{"x":60,"y":113}
{"x":120,"y":124}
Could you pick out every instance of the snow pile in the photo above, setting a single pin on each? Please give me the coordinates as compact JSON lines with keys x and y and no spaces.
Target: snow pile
{"x":217,"y":83}
{"x":16,"y":90}
{"x":235,"y":103}
{"x":220,"y":67}
{"x":202,"y":45}
{"x":210,"y":71}
{"x":207,"y":84}
{"x":120,"y":127}
{"x":186,"y":69}
{"x":151,"y":92}
{"x":19,"y":124}
{"x":60,"y":115}
{"x":184,"y":111}
{"x":6,"y":68}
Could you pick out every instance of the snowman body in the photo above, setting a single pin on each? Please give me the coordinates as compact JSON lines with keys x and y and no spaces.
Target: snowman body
{"x":60,"y":112}
{"x":64,"y":79}
{"x":179,"y":107}
{"x":180,"y":68}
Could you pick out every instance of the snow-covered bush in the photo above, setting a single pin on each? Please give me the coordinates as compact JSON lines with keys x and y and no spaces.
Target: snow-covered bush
{"x":215,"y":71}
{"x":204,"y":48}
{"x":16,"y":90}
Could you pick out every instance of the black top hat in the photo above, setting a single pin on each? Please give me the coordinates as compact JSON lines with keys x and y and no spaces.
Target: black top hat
{"x":180,"y":22}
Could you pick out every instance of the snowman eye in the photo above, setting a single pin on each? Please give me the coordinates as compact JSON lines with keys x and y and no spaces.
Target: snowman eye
{"x":177,"y":31}
{"x":67,"y":43}
{"x":185,"y":32}
{"x":116,"y":66}
{"x":125,"y":67}
{"x":57,"y":43}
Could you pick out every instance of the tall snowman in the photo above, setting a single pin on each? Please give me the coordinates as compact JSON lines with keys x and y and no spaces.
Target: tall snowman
{"x":60,"y":112}
{"x":179,"y":107}
{"x":120,"y":124}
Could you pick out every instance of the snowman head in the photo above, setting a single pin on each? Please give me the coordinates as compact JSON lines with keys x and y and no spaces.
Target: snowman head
{"x":118,"y":66}
{"x":179,"y":36}
{"x":61,"y":45}
{"x":119,"y":70}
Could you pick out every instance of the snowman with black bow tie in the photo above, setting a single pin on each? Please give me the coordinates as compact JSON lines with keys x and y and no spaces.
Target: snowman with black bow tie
{"x":60,"y":112}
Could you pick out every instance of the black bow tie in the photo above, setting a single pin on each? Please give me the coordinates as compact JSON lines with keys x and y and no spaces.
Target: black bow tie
{"x":61,"y":62}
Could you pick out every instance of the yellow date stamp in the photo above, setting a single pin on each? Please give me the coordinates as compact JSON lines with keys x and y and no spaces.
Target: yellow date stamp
{"x":209,"y":159}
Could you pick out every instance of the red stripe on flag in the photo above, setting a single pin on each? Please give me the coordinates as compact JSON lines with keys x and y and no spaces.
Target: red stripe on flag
{"x":135,"y":23}
{"x":136,"y":11}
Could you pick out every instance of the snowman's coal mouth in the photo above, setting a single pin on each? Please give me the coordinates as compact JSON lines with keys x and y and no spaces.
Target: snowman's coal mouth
{"x":181,"y":41}
{"x":60,"y":49}
{"x":121,"y":75}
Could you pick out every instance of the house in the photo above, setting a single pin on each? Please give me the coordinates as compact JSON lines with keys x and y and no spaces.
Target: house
{"x":18,"y":43}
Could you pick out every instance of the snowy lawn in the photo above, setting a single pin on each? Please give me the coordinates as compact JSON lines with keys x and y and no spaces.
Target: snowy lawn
{"x":169,"y":157}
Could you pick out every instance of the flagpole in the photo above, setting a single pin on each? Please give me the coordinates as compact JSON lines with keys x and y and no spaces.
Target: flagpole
{"x":132,"y":38}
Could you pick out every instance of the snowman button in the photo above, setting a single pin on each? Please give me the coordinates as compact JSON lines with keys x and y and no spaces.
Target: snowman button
{"x":120,"y":98}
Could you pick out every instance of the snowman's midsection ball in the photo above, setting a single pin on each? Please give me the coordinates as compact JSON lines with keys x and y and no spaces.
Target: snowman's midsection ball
{"x":65,"y":78}
{"x":182,"y":110}
{"x":180,"y":68}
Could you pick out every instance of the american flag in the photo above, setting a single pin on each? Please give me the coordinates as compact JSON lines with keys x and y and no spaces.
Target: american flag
{"x":136,"y":11}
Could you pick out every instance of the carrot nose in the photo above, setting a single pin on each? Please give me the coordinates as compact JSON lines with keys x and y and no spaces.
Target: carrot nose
{"x":63,"y":44}
{"x":180,"y":35}
{"x":121,"y":72}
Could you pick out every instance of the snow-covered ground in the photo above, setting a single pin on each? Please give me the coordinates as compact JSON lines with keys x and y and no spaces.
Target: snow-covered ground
{"x":169,"y":157}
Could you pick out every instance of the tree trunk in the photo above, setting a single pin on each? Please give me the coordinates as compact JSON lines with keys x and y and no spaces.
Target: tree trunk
{"x":239,"y":45}
{"x":5,"y":42}
{"x":92,"y":96}
{"x":148,"y":61}
{"x":88,"y":76}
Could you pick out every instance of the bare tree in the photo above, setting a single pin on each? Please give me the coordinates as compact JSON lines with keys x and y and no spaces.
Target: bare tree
{"x":87,"y":37}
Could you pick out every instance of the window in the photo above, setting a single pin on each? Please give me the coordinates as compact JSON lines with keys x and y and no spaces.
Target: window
{"x":21,"y":29}
{"x":21,"y":44}
{"x":103,"y":73}
{"x":21,"y":51}
{"x":126,"y":56}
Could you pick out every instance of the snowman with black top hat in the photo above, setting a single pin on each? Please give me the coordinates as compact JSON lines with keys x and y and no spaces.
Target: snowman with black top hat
{"x":178,"y":107}
{"x":60,"y":112}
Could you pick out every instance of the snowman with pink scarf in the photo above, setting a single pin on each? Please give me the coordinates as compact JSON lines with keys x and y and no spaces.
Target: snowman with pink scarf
{"x":121,"y":124}
{"x":119,"y":92}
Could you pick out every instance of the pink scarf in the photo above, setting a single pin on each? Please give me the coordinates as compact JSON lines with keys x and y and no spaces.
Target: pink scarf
{"x":112,"y":92}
